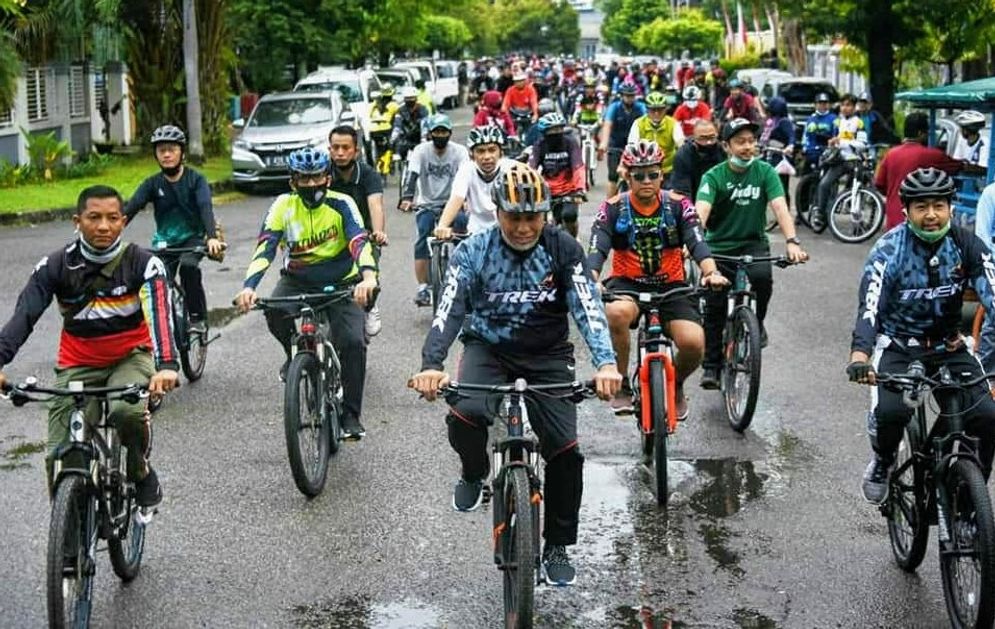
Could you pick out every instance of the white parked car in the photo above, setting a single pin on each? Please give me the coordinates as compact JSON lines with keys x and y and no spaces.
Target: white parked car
{"x":355,"y":87}
{"x":444,"y":90}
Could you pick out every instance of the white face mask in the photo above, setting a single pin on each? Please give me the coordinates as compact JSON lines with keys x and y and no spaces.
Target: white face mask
{"x":691,"y":103}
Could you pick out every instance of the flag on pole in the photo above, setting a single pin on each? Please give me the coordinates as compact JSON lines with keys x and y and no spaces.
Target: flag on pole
{"x":740,"y":25}
{"x":730,"y":37}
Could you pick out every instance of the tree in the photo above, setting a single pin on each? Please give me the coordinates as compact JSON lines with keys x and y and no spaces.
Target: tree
{"x":961,"y":31}
{"x":690,"y":30}
{"x":448,"y":35}
{"x":542,"y":26}
{"x":623,"y":18}
{"x":191,"y":72}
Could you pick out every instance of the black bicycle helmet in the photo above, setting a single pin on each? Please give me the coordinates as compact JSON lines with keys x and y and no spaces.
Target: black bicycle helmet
{"x":168,"y":133}
{"x":926,"y":183}
{"x":521,"y":189}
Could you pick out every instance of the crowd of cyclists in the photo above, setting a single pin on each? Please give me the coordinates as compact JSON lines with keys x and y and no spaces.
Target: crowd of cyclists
{"x":688,"y":177}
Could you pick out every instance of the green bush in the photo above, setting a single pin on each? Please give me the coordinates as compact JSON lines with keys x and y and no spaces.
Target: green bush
{"x":91,"y":165}
{"x":750,"y":58}
{"x":12,"y":174}
{"x":45,"y":151}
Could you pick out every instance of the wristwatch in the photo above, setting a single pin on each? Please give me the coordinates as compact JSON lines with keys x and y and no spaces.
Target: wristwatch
{"x":793,"y":241}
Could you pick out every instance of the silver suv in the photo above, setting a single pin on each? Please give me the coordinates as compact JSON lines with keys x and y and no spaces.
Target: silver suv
{"x":279,"y":124}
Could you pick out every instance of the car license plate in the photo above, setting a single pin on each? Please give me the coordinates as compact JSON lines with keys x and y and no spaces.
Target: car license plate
{"x":276,"y":161}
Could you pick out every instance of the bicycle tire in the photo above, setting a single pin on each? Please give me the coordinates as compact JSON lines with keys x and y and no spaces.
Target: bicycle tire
{"x":803,"y":198}
{"x":658,"y":408}
{"x":908,"y":525}
{"x":303,"y":372}
{"x":400,"y":179}
{"x":193,"y":356}
{"x":864,"y":230}
{"x":333,"y":407}
{"x":73,"y":525}
{"x":519,"y":539}
{"x":968,"y":494}
{"x":742,"y":356}
{"x":436,"y":274}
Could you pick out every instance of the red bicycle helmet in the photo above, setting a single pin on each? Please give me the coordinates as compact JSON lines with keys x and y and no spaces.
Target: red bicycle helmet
{"x":642,"y":153}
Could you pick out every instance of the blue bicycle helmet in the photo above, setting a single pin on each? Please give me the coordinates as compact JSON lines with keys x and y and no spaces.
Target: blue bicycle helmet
{"x":308,"y":161}
{"x":553,"y":120}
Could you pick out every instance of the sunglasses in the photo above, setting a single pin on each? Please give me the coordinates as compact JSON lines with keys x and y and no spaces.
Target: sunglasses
{"x":652,"y":175}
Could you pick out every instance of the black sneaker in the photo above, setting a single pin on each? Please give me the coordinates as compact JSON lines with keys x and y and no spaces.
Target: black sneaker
{"x":423,"y":297}
{"x":556,"y":567}
{"x":352,"y":429}
{"x":283,"y":370}
{"x":875,"y":485}
{"x":709,"y":378}
{"x":148,"y":491}
{"x":468,"y":494}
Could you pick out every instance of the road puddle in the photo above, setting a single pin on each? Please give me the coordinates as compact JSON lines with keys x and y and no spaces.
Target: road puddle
{"x":727,"y":485}
{"x":360,"y":613}
{"x":752,"y":619}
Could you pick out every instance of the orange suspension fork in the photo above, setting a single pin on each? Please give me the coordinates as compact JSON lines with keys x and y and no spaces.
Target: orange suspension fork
{"x":670,"y":386}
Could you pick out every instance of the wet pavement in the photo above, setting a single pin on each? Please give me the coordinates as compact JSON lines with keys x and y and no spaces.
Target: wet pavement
{"x":765,"y":529}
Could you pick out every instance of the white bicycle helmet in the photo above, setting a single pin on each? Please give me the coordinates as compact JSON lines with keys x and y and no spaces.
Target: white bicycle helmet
{"x":692,"y":92}
{"x":970,"y":118}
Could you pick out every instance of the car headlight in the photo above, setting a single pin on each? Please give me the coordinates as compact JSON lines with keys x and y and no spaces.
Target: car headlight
{"x":242,"y":144}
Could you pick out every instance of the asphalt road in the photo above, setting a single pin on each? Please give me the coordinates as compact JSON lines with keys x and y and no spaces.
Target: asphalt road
{"x":765,"y":529}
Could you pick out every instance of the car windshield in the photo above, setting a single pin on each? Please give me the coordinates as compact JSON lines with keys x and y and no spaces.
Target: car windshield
{"x":293,"y":111}
{"x":348,"y":89}
{"x":806,"y":92}
{"x":423,"y":72}
{"x":397,"y":80}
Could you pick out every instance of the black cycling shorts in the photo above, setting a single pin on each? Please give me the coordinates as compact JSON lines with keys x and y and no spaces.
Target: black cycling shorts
{"x":681,"y":307}
{"x":614,"y":159}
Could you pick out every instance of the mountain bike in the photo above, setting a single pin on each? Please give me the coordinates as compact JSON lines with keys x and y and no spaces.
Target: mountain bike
{"x":938,"y":480}
{"x":561,"y":204}
{"x":442,"y":251}
{"x":523,"y":121}
{"x":741,"y":339}
{"x":312,"y":394}
{"x":191,"y":344}
{"x":589,"y":150}
{"x":92,"y":500}
{"x":382,"y":157}
{"x":654,"y":385}
{"x":858,"y":211}
{"x":515,"y":487}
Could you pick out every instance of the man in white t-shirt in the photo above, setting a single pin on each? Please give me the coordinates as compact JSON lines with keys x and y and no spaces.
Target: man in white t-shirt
{"x":473,"y":182}
{"x":432,"y":167}
{"x":974,"y":149}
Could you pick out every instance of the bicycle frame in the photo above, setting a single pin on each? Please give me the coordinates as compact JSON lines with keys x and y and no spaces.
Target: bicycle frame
{"x":654,"y":346}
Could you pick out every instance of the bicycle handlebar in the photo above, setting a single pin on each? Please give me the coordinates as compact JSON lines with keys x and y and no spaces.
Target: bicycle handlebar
{"x":310,"y":299}
{"x":914,"y":382}
{"x":198,"y":250}
{"x":19,"y":394}
{"x":575,"y":391}
{"x":647,"y":297}
{"x":779,"y":261}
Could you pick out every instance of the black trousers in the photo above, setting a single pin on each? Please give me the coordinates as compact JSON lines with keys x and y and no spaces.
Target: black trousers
{"x":761,"y":278}
{"x":886,"y":424}
{"x":191,"y":279}
{"x":554,"y":422}
{"x":824,"y":192}
{"x":346,"y":321}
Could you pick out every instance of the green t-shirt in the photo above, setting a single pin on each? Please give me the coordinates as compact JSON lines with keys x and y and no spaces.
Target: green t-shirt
{"x":739,"y":204}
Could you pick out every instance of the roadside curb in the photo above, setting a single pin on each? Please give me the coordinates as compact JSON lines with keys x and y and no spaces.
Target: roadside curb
{"x":29,"y":217}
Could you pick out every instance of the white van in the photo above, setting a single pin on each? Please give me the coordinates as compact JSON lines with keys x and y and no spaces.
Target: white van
{"x":444,"y":90}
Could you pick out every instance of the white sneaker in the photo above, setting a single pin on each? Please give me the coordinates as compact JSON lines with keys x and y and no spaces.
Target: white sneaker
{"x":373,"y":322}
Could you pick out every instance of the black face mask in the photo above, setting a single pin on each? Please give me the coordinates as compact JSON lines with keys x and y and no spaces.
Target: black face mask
{"x":709,"y":150}
{"x":311,"y":196}
{"x":171,"y":172}
{"x":555,"y":142}
{"x":440,"y":143}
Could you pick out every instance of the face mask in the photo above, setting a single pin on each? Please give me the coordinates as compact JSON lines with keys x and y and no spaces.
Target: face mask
{"x":691,"y":103}
{"x":739,"y":162}
{"x":519,"y":248}
{"x":311,"y":196}
{"x":440,"y":143}
{"x":929,"y":237}
{"x":171,"y":172}
{"x":555,"y":141}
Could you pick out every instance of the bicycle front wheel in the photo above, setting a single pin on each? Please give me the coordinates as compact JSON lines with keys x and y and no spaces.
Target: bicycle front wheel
{"x":519,"y":541}
{"x":908,"y":525}
{"x":193,"y":356}
{"x":856,"y":217}
{"x":305,"y":424}
{"x":72,"y":546}
{"x":437,"y":272}
{"x":967,"y":560}
{"x":741,"y":370}
{"x":658,"y":408}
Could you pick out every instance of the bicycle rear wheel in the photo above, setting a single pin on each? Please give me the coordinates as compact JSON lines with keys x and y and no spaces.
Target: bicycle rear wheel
{"x":658,"y":408}
{"x":741,"y":370}
{"x":967,"y":560}
{"x":856,"y":217}
{"x":305,"y":424}
{"x":804,"y":193}
{"x":519,"y":545}
{"x":908,"y":525}
{"x":72,"y":546}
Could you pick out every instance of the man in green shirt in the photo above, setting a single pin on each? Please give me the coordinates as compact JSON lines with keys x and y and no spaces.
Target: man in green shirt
{"x":732,"y":205}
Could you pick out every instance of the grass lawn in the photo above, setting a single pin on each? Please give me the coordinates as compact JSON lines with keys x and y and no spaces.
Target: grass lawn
{"x":125,"y":175}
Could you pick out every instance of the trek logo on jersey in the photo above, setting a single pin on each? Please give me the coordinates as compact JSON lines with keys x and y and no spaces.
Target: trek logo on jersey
{"x":937,"y":292}
{"x":589,"y":301}
{"x":445,"y":302}
{"x":874,"y":292}
{"x":523,"y":296}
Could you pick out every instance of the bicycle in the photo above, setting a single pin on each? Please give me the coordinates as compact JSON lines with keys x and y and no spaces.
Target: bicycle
{"x":560,"y":204}
{"x":589,"y":150}
{"x":312,"y":394}
{"x":382,"y":157}
{"x":191,"y":344}
{"x":92,"y":500}
{"x":741,"y":338}
{"x":654,"y":385}
{"x":858,"y":211}
{"x":938,"y":480}
{"x":517,"y":486}
{"x":523,"y":121}
{"x":442,"y":251}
